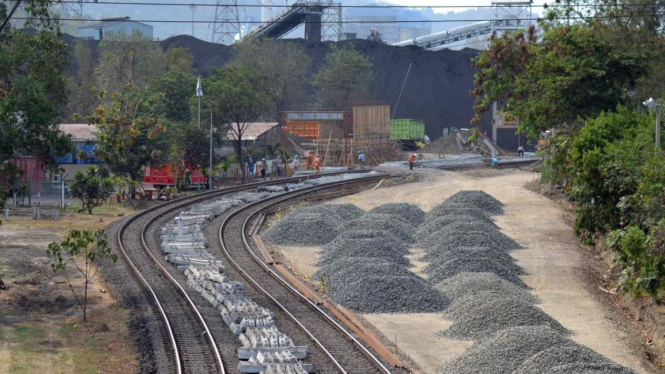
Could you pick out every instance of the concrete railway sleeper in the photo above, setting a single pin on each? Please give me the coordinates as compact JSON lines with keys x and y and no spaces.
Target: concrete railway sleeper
{"x":346,"y":353}
{"x":191,"y":346}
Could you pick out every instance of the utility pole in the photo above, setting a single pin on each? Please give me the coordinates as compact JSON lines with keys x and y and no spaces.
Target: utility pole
{"x":192,"y":6}
{"x":210,"y":173}
{"x":659,"y":108}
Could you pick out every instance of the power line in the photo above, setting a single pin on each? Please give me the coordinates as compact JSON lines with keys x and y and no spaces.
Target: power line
{"x":358,"y":6}
{"x":562,"y":18}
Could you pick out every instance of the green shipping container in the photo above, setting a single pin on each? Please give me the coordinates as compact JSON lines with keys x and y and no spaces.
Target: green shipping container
{"x":406,"y":129}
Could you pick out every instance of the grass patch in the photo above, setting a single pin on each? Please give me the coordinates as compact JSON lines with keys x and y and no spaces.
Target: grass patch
{"x":23,"y":333}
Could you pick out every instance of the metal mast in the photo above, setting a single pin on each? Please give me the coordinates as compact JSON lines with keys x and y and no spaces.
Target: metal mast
{"x":332,"y":23}
{"x":227,"y":22}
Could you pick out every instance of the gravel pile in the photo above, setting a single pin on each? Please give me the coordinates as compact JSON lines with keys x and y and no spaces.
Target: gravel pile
{"x":375,"y":248}
{"x":453,"y":209}
{"x":479,"y":199}
{"x":505,"y":351}
{"x":461,"y":307}
{"x":384,"y":217}
{"x":372,"y":234}
{"x":467,"y":284}
{"x":472,"y":265}
{"x":303,"y":229}
{"x":589,"y":368}
{"x":388,"y":294}
{"x":500,"y":257}
{"x":346,"y":212}
{"x":443,"y":223}
{"x":571,"y":353}
{"x":398,"y":229}
{"x":355,"y":268}
{"x":450,"y":242}
{"x":409,"y":212}
{"x":495,"y":314}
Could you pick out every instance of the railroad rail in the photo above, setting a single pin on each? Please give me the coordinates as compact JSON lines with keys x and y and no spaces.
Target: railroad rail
{"x":488,"y":164}
{"x":186,"y":335}
{"x":343,"y":350}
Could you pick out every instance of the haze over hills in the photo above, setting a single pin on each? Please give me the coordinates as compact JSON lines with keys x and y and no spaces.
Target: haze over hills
{"x":252,"y":14}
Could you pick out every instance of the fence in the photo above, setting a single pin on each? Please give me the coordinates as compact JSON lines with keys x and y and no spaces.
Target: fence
{"x":40,"y":194}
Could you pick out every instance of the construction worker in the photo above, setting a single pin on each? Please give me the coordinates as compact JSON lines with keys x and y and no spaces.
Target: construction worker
{"x":361,"y":160}
{"x":263,"y":167}
{"x":412,"y":161}
{"x":278,"y":165}
{"x":520,"y":151}
{"x":296,"y":160}
{"x":310,"y":160}
{"x":317,"y":164}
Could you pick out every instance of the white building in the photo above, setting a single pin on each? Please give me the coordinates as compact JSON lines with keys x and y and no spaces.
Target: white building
{"x":96,"y":31}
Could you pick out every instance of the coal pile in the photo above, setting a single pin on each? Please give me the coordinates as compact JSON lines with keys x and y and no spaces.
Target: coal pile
{"x":388,"y":294}
{"x":303,"y":229}
{"x":500,"y":257}
{"x":381,"y":248}
{"x":480,"y":199}
{"x":409,"y":212}
{"x":505,"y":351}
{"x":568,"y":354}
{"x":467,"y":285}
{"x":495,"y":314}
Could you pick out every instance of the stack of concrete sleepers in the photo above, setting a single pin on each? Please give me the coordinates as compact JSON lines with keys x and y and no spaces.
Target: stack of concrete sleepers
{"x":264,"y":348}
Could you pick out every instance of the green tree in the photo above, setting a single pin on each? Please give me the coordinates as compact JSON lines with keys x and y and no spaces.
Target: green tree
{"x":238,"y":95}
{"x":93,"y":247}
{"x":285,"y":66}
{"x":32,"y":89}
{"x":572,"y":74}
{"x":130,"y":131}
{"x":128,"y":59}
{"x":175,"y":88}
{"x":179,"y":59}
{"x":91,"y":188}
{"x":345,"y":73}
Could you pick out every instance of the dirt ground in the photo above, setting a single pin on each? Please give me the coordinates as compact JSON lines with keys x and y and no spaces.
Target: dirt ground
{"x":551,"y":257}
{"x":41,"y":327}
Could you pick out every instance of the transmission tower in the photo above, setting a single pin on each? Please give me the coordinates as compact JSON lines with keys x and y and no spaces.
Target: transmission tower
{"x":227,"y":22}
{"x":332,"y":23}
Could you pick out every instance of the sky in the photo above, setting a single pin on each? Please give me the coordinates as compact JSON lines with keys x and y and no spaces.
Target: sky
{"x":474,"y":4}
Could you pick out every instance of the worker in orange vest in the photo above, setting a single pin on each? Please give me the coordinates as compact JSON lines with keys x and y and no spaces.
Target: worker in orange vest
{"x":310,"y":160}
{"x":317,"y":164}
{"x":412,"y":160}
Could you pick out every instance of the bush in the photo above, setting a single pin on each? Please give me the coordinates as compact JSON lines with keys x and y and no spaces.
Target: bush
{"x":605,"y":165}
{"x":641,"y":257}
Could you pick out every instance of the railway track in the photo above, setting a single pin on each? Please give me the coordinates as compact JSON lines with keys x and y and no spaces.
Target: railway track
{"x":185,"y":334}
{"x":486,"y":164}
{"x":339,"y":350}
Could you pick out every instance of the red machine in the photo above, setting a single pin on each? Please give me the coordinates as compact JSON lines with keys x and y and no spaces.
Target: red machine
{"x":164,"y":176}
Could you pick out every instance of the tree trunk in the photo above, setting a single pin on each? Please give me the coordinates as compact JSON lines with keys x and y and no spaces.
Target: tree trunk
{"x":239,"y":155}
{"x":90,"y":207}
{"x":85,"y":301}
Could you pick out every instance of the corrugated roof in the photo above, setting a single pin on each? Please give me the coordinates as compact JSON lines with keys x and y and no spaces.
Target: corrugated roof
{"x":253,"y":131}
{"x":80,"y":132}
{"x":104,"y":23}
